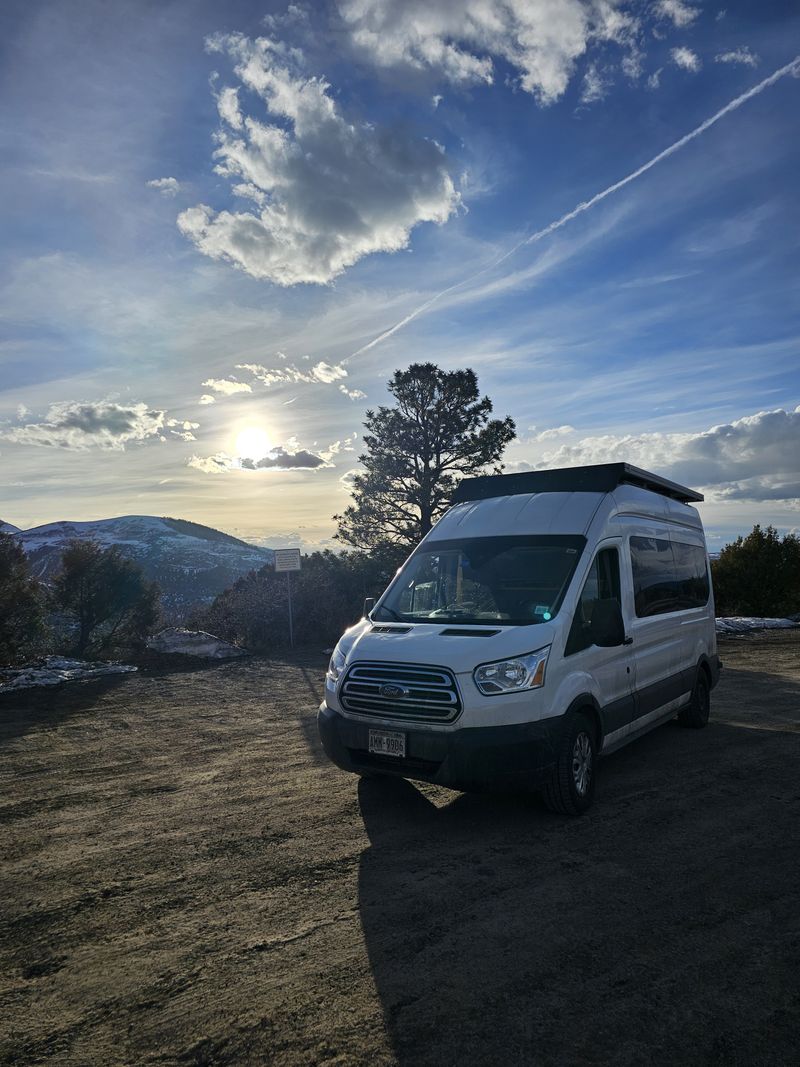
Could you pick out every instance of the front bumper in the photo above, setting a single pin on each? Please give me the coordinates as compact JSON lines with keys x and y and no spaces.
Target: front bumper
{"x":516,"y":757}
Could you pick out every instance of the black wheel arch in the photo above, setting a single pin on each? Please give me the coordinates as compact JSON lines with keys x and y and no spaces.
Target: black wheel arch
{"x":710,"y":667}
{"x":587,"y":705}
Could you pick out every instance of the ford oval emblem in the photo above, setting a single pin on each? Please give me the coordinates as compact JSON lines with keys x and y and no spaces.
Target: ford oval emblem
{"x":394,"y":692}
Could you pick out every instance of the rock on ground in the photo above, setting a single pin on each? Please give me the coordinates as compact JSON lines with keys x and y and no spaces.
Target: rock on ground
{"x":193,"y":643}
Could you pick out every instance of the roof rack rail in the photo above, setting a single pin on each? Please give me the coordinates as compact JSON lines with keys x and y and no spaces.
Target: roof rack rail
{"x":598,"y":478}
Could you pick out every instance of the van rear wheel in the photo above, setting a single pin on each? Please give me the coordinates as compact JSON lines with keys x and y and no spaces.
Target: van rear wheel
{"x":570,"y":790}
{"x":695,"y":714}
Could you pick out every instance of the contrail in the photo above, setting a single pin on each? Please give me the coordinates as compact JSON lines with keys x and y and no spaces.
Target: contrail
{"x":790,"y":68}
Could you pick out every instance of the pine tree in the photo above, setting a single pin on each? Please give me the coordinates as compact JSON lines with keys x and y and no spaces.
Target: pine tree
{"x":438,"y":432}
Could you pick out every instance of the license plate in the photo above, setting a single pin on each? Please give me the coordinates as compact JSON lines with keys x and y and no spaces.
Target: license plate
{"x":385,"y":743}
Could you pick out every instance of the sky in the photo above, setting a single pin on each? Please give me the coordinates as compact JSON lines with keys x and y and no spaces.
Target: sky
{"x":225,"y":226}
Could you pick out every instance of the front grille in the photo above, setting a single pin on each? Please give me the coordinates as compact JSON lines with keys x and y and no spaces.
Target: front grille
{"x":421,"y":691}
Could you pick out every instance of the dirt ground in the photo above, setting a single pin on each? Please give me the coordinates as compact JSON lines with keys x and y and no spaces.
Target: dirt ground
{"x":185,"y":880}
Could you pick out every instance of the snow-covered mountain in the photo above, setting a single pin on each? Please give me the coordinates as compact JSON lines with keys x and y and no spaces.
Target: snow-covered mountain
{"x":190,"y":562}
{"x":6,"y":527}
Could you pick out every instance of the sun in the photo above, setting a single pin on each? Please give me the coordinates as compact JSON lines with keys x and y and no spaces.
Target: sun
{"x":252,"y":443}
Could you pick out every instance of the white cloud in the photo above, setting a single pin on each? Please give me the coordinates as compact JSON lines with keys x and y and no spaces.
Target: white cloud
{"x":220,"y":463}
{"x":552,"y":433}
{"x":595,"y":85}
{"x":753,"y":458}
{"x":207,"y":398}
{"x":457,"y":39}
{"x":183,"y":430}
{"x":632,"y":64}
{"x":347,"y":480}
{"x":279,"y":458}
{"x":654,"y":81}
{"x":332,"y":450}
{"x":352,"y":394}
{"x":165,"y":186}
{"x":228,"y":107}
{"x":742,"y":56}
{"x":680,"y":13}
{"x":686,"y":59}
{"x":321,"y":372}
{"x":324,"y":372}
{"x":80,"y":425}
{"x":226,"y":387}
{"x":327,"y":190}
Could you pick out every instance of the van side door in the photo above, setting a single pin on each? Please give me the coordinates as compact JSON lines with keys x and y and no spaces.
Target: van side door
{"x":610,"y":667}
{"x":662,"y":677}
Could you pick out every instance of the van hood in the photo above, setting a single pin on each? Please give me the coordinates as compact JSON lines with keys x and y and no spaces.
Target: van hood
{"x":437,"y":645}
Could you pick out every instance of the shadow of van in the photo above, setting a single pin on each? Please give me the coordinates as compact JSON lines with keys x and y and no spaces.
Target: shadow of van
{"x":498,"y":933}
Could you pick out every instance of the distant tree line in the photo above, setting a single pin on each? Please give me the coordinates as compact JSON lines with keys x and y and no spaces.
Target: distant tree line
{"x":328,"y":595}
{"x":758,"y":575}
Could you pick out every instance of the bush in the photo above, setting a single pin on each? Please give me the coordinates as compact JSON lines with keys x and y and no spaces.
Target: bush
{"x":758,"y":575}
{"x":22,"y":625}
{"x":327,"y":596}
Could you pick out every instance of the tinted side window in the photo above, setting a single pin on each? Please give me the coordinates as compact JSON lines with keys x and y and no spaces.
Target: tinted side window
{"x":691,"y":572}
{"x":653,"y":576}
{"x":667,"y":576}
{"x":602,"y":583}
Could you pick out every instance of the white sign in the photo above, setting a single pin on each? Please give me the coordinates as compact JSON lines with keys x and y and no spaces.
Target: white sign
{"x":287,"y":559}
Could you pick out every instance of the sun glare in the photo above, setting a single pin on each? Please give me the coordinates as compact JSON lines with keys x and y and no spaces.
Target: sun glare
{"x":252,"y":443}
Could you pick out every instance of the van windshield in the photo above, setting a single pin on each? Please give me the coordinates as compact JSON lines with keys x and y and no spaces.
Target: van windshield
{"x":516,"y":581}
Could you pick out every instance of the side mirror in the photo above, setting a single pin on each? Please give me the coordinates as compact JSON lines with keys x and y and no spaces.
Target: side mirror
{"x":607,"y":628}
{"x":369,"y":604}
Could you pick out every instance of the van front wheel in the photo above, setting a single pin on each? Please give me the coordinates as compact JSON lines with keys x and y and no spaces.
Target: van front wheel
{"x":695,"y":714}
{"x":571,"y":787}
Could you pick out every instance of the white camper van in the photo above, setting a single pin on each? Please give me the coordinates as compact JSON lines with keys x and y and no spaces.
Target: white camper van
{"x":548,"y":618}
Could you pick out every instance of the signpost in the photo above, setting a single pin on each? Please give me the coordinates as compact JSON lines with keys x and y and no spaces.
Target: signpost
{"x":288,"y":560}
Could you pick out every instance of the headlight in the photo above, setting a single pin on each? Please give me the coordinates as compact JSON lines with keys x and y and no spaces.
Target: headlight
{"x":512,"y":675}
{"x":336,"y":665}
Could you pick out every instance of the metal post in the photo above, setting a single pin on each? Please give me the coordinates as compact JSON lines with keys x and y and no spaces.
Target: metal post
{"x":289,"y":596}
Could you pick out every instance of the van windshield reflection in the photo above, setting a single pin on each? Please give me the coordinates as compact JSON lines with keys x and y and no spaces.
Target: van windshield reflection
{"x":516,"y":581}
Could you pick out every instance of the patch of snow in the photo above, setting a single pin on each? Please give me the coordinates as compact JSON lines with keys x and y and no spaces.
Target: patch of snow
{"x":744,"y":624}
{"x":55,"y":670}
{"x":193,"y":643}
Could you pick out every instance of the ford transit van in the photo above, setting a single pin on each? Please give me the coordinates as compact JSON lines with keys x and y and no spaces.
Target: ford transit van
{"x":548,"y":618}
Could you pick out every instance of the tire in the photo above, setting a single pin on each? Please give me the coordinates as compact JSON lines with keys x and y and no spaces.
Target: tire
{"x":695,"y":714}
{"x":570,"y":790}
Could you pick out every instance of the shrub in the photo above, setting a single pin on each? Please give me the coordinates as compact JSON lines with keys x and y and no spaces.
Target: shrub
{"x":104,"y":597}
{"x":327,"y":596}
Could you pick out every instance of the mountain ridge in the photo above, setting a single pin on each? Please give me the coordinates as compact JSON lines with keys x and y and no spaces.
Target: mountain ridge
{"x":191,"y":563}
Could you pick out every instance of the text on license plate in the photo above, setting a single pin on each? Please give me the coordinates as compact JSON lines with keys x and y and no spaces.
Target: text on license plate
{"x":387,"y":743}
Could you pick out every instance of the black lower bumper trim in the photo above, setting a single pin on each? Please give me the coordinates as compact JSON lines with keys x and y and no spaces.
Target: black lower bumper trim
{"x":500,"y":757}
{"x":389,"y":763}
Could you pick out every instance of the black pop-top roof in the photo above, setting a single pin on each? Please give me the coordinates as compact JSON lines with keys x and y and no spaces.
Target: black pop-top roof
{"x":599,"y":478}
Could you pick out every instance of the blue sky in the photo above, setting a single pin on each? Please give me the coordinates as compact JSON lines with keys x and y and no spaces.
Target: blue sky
{"x":211,"y":212}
